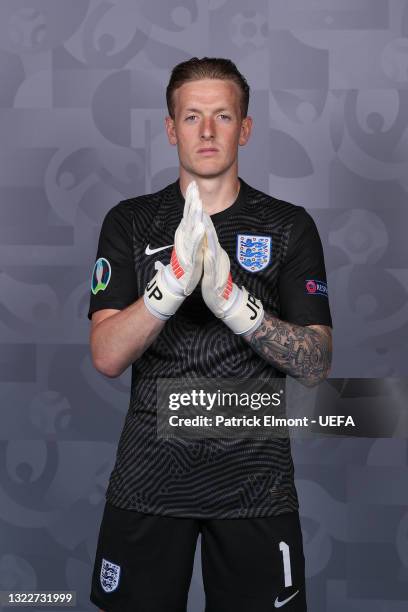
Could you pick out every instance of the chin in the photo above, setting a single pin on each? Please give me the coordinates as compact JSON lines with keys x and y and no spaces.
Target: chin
{"x":207,"y":172}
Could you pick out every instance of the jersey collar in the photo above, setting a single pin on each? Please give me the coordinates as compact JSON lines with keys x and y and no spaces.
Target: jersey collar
{"x":224,"y":214}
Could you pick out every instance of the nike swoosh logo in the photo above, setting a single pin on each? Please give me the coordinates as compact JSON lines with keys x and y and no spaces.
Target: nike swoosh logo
{"x":279,"y":604}
{"x":150,"y":251}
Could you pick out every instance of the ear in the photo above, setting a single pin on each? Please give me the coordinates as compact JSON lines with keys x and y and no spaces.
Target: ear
{"x":246,"y":128}
{"x":171,"y":130}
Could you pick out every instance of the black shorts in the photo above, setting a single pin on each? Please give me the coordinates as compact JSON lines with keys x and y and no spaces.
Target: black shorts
{"x":144,"y":563}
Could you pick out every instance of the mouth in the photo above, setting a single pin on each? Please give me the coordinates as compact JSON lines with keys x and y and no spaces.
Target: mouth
{"x":208,"y":151}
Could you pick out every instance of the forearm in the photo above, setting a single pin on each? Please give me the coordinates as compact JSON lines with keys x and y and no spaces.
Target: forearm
{"x":300,"y":351}
{"x":119,"y":340}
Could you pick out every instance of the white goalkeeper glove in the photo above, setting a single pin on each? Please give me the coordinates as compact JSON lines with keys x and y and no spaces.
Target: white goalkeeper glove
{"x":173,"y":283}
{"x":239,"y":310}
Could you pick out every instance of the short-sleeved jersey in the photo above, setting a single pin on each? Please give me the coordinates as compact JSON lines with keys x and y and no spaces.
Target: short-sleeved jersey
{"x":207,"y":477}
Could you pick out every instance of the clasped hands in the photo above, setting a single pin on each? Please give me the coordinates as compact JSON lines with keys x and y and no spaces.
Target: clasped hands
{"x":197,"y":255}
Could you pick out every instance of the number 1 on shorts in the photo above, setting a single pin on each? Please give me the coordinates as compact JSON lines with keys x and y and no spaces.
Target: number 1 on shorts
{"x":284,"y":548}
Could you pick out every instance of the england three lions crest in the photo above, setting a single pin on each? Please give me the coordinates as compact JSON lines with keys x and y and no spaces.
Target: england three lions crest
{"x":110,"y":573}
{"x":254,"y":252}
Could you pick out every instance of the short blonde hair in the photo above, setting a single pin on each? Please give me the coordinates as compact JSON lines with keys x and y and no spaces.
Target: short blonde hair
{"x":196,"y":69}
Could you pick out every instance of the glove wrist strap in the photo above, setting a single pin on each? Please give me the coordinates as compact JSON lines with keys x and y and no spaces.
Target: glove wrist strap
{"x":246,"y":314}
{"x":158,"y":298}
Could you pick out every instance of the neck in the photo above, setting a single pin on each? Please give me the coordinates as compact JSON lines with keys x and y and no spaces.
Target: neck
{"x":217,"y":193}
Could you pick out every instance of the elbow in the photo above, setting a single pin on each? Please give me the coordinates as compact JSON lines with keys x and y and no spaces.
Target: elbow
{"x":314,"y":380}
{"x":309,"y":382}
{"x":100,"y":360}
{"x":109,"y":373}
{"x":322,"y":373}
{"x":106,"y":369}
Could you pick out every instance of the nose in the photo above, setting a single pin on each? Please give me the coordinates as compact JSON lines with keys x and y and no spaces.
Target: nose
{"x":207,"y":128}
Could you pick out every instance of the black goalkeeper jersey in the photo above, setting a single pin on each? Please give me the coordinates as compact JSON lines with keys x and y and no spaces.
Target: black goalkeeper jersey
{"x":207,"y":477}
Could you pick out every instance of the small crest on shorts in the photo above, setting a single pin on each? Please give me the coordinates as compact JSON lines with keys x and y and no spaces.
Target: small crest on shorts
{"x":254,"y":252}
{"x":110,"y":573}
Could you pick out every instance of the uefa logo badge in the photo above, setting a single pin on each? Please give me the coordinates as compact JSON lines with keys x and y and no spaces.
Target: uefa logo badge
{"x":311,"y":286}
{"x":254,"y":252}
{"x":316,"y":287}
{"x":101,"y":275}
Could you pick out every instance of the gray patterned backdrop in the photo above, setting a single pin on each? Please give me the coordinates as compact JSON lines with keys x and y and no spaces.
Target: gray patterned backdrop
{"x":82,"y":111}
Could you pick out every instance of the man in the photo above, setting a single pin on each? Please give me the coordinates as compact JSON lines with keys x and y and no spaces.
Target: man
{"x":207,"y":277}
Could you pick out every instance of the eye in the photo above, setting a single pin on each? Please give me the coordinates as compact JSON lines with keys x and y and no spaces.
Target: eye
{"x":225,"y":117}
{"x":190,"y":117}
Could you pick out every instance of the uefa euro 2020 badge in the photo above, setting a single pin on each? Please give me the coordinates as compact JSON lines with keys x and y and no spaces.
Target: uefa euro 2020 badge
{"x":254,"y":252}
{"x":101,"y":275}
{"x":110,"y":573}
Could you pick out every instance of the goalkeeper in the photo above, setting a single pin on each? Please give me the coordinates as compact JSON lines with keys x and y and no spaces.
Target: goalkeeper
{"x":207,"y":277}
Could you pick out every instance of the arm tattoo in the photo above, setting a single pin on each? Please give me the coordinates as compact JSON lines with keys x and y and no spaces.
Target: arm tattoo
{"x":303,"y":352}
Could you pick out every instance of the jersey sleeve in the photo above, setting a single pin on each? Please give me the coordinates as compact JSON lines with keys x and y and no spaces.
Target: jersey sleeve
{"x":113,"y":279}
{"x":302,"y":282}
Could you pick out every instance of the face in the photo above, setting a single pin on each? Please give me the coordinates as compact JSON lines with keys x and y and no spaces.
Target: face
{"x":208,"y":116}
